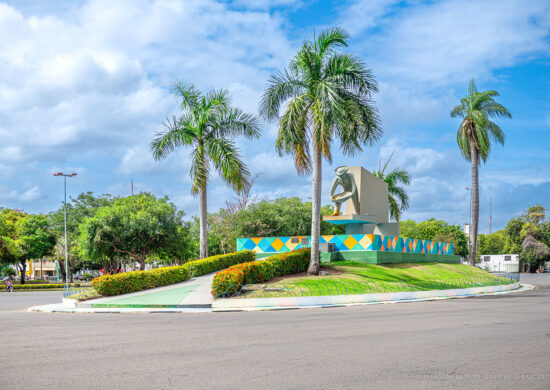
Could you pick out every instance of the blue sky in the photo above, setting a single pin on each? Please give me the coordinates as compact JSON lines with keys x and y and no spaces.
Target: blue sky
{"x":84,"y":85}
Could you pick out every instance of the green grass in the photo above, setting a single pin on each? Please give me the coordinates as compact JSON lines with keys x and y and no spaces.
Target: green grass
{"x":362,"y":278}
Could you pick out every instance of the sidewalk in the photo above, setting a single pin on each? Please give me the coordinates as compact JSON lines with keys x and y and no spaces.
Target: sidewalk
{"x":193,"y":293}
{"x":192,"y":297}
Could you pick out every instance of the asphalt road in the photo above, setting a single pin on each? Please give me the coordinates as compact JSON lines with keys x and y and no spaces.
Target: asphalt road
{"x":496,"y":342}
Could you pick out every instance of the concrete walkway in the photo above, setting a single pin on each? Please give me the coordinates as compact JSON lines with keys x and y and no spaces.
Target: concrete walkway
{"x":193,"y":293}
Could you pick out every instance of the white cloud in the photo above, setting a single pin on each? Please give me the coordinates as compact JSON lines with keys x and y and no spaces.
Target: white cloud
{"x":362,"y":15}
{"x":92,"y":83}
{"x":423,"y":161}
{"x":21,"y":197}
{"x":29,"y":195}
{"x":444,"y":42}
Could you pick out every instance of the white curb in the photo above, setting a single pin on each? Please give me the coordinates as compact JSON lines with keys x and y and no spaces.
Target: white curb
{"x":357,"y":299}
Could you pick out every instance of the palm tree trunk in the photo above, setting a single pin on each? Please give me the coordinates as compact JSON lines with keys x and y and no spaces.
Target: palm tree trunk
{"x":316,"y":210}
{"x":203,"y":229}
{"x":475,"y":201}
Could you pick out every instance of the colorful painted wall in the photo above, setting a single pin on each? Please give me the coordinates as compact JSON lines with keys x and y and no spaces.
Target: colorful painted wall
{"x":348,"y":242}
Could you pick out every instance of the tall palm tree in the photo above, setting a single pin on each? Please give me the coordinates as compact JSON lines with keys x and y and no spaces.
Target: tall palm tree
{"x":207,"y":124}
{"x":397,"y":197}
{"x":326,"y":95}
{"x":474,"y":136}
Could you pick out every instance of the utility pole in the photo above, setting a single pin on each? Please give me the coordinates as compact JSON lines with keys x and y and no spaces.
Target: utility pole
{"x":65,"y":176}
{"x":490,"y":214}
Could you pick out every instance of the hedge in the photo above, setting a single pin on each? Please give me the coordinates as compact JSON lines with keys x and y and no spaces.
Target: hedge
{"x":128,"y":282}
{"x":231,"y":280}
{"x":41,"y":286}
{"x":35,"y":281}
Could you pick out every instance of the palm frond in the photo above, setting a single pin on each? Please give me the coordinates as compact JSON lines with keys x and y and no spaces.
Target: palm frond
{"x":495,"y":132}
{"x":331,"y":38}
{"x":350,"y":73}
{"x":199,"y":170}
{"x":281,"y":87}
{"x":225,"y":157}
{"x":233,"y":122}
{"x":216,"y":100}
{"x":457,"y":111}
{"x":395,"y":210}
{"x":189,"y":95}
{"x":398,"y":175}
{"x":177,"y":133}
{"x":292,"y":137}
{"x":472,"y":87}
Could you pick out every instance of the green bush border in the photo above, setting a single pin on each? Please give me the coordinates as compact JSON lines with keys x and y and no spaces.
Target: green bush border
{"x":128,"y":282}
{"x":231,"y":280}
{"x":41,"y":286}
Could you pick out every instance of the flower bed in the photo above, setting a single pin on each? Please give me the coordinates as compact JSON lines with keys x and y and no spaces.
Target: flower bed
{"x":128,"y":282}
{"x":231,"y":280}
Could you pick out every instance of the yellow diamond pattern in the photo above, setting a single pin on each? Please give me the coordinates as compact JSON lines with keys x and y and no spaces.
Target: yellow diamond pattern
{"x":277,"y":244}
{"x":350,"y":242}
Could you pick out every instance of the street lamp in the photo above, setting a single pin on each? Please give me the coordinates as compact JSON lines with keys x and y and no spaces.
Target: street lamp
{"x":470,"y":227}
{"x":65,"y":176}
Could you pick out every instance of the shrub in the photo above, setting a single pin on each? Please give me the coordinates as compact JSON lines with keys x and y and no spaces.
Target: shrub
{"x":142,"y":280}
{"x":139,"y":280}
{"x":35,"y":281}
{"x":41,"y":286}
{"x":219,"y":262}
{"x":7,"y":271}
{"x":231,"y":280}
{"x":87,"y":276}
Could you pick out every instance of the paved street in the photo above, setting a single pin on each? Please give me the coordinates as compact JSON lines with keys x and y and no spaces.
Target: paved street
{"x":494,"y":342}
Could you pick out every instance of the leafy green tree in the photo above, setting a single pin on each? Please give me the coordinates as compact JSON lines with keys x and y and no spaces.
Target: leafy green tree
{"x":534,"y":253}
{"x":327,"y":95}
{"x":207,"y":125}
{"x":397,"y":197}
{"x":36,"y":238}
{"x":279,"y":217}
{"x":474,"y":137}
{"x":10,"y":239}
{"x":27,"y":237}
{"x":85,"y":205}
{"x":493,"y":244}
{"x":135,"y":226}
{"x":436,"y":230}
{"x":180,"y":249}
{"x":8,"y":271}
{"x":513,"y":233}
{"x":8,"y":247}
{"x":536,"y":214}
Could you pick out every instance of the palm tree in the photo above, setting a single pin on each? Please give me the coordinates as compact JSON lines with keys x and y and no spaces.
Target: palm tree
{"x":207,"y":124}
{"x":397,"y":197}
{"x":474,"y":136}
{"x":326,"y":95}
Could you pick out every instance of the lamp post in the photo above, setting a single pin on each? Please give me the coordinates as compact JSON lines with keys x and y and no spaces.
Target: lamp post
{"x":65,"y":176}
{"x":470,"y":227}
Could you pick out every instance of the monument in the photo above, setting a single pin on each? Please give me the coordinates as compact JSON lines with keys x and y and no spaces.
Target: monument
{"x":361,"y":204}
{"x":366,"y":203}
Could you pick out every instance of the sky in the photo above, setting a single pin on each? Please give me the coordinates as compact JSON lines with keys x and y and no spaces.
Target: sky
{"x":85,"y":86}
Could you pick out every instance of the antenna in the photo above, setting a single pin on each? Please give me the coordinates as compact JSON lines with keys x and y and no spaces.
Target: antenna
{"x":132,"y":184}
{"x":490,"y":214}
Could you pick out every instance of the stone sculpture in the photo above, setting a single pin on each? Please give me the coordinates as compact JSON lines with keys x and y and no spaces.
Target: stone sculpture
{"x":346,"y":180}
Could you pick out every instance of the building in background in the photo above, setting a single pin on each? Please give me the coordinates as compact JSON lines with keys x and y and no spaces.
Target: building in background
{"x":42,"y":269}
{"x":499,"y":263}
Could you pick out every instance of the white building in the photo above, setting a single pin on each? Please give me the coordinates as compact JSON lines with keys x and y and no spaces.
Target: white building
{"x":499,"y":263}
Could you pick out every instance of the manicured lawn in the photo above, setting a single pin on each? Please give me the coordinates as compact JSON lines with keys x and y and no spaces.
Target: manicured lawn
{"x":349,"y":277}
